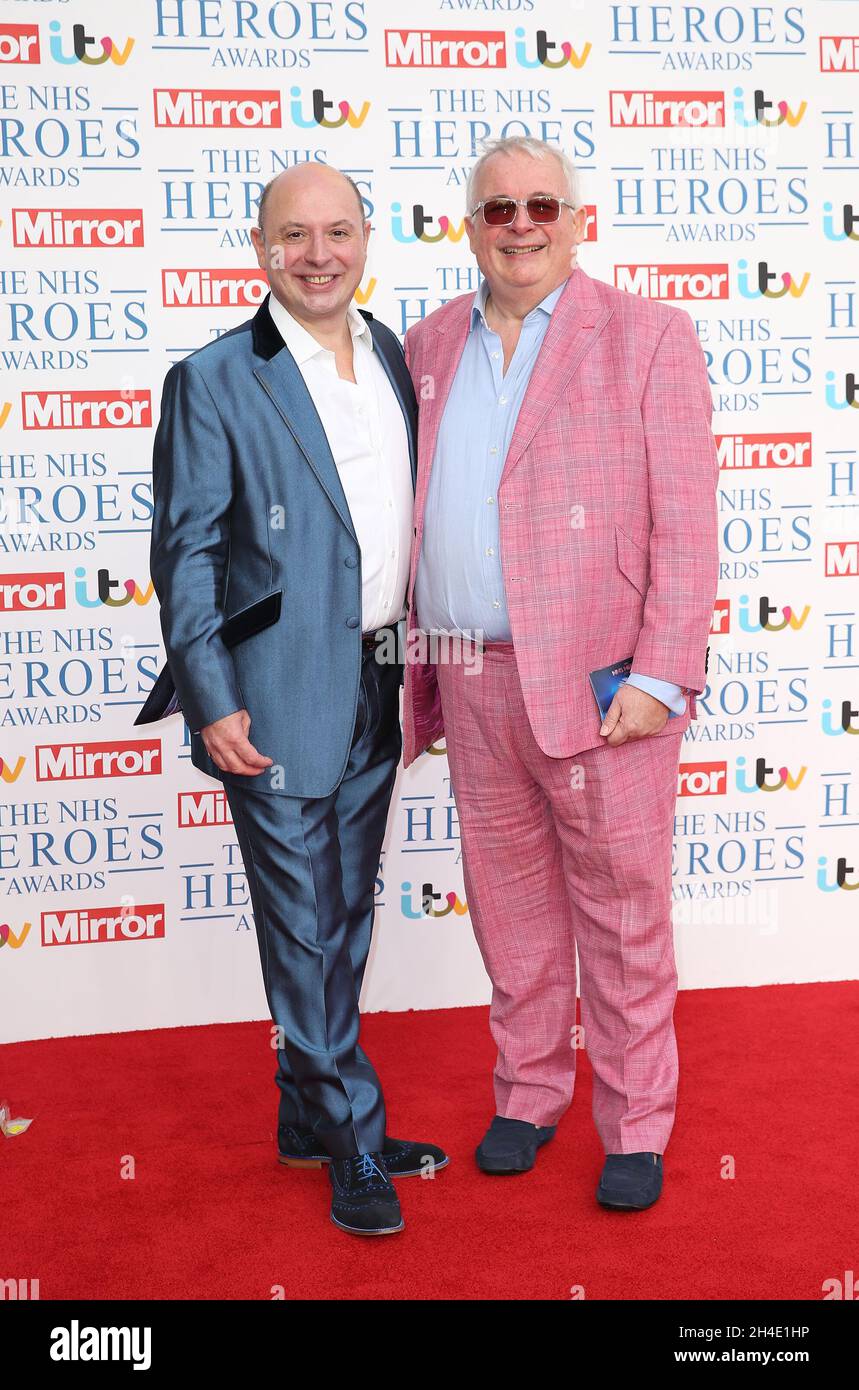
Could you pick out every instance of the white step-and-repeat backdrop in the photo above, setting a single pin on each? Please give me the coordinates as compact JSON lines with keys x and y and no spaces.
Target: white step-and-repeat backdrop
{"x":719,"y":152}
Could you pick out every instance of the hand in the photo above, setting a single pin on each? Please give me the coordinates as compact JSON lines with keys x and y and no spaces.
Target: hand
{"x":228,"y":746}
{"x":633,"y":714}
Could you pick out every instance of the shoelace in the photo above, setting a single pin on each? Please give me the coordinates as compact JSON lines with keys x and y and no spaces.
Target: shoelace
{"x":367,"y":1171}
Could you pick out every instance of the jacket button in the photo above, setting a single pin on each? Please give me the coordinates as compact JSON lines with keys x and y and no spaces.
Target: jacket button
{"x":350,"y":562}
{"x":351,"y":622}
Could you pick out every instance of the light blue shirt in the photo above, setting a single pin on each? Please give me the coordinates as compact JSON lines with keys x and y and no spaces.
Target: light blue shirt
{"x":459,"y":586}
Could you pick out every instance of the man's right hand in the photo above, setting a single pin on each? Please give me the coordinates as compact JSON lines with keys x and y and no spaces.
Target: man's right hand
{"x":228,"y":746}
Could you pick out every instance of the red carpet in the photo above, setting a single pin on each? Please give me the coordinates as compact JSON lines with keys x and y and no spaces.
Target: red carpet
{"x":768,"y":1076}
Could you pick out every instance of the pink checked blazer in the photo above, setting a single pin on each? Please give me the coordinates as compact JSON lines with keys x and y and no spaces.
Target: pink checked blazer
{"x":614,"y":433}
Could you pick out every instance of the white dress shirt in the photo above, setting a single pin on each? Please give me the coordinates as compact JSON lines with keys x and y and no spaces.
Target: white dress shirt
{"x":367,"y":436}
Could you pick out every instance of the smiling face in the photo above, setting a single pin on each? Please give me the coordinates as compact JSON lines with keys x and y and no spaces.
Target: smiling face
{"x":313,"y":245}
{"x":524,"y":260}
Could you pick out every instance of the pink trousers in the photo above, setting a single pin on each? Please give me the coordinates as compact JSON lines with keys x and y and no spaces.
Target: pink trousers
{"x":559,"y":854}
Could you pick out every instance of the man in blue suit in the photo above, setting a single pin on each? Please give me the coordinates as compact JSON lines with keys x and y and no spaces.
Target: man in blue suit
{"x":283,"y":475}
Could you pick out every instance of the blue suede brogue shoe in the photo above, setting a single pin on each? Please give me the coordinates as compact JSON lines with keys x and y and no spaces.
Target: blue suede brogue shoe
{"x":299,"y":1148}
{"x":630,"y":1182}
{"x":363,"y":1199}
{"x":510,"y":1146}
{"x":404,"y":1159}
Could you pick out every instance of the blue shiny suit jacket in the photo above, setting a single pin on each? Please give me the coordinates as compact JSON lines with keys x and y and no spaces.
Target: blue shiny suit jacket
{"x":254,"y":556}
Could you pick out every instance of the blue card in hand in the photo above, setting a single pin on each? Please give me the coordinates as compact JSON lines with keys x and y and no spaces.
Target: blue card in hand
{"x":606,"y":682}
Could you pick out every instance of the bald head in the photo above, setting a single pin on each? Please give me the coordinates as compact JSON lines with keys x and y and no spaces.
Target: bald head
{"x":310,"y":179}
{"x":312,"y":244}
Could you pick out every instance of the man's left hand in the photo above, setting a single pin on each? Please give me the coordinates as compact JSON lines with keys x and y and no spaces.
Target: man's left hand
{"x":633,"y":714}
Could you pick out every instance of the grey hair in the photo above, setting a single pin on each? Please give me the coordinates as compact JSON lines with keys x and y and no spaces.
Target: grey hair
{"x":538,"y":149}
{"x":263,"y":197}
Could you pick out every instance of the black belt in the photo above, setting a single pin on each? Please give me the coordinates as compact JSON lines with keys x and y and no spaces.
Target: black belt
{"x":371,"y":640}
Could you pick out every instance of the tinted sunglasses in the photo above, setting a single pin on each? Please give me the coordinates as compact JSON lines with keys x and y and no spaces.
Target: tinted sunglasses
{"x":501,"y":212}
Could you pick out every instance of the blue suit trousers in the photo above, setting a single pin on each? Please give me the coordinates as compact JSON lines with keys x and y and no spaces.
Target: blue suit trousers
{"x":311,"y":866}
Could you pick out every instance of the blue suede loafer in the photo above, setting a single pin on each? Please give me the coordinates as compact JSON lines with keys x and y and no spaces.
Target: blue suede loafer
{"x":630,"y":1182}
{"x":510,"y":1146}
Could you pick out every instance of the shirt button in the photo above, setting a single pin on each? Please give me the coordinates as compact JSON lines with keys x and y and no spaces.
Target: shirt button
{"x":502,"y":400}
{"x":489,"y":550}
{"x":496,"y":603}
{"x":493,"y":449}
{"x":489,"y":501}
{"x":496,"y":354}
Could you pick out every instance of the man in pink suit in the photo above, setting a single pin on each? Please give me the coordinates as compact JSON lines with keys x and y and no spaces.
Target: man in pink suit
{"x":565,"y":521}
